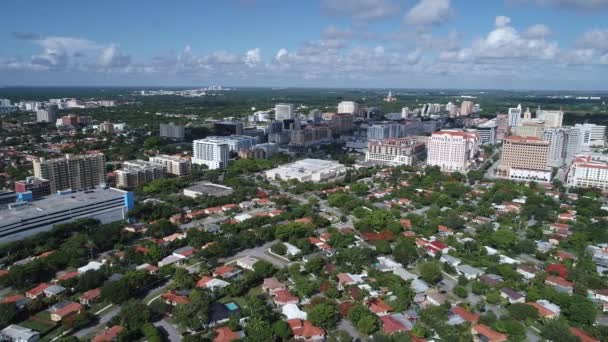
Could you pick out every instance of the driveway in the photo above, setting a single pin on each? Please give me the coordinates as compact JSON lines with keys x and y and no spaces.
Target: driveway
{"x":105,"y":317}
{"x":172,"y":334}
{"x":347,"y":326}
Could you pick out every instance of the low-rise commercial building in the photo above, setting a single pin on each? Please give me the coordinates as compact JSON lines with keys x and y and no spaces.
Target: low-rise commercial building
{"x":307,"y":170}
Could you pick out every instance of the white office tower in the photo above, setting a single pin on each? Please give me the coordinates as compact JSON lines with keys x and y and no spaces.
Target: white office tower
{"x":551,"y":118}
{"x":215,"y":153}
{"x":514,"y":116}
{"x":405,"y":112}
{"x":315,"y":116}
{"x":172,"y":131}
{"x":591,"y":134}
{"x":487,"y":132}
{"x":574,"y":143}
{"x":283,"y":111}
{"x":349,"y":107}
{"x":452,"y":150}
{"x":588,"y":171}
{"x":5,"y":103}
{"x":449,"y":106}
{"x":557,"y":138}
{"x":48,"y":114}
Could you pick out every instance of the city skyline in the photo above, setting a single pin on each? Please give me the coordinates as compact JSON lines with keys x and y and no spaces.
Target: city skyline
{"x":510,"y":44}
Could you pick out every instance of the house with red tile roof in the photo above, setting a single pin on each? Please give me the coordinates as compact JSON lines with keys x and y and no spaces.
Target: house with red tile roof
{"x":348,"y":279}
{"x":559,"y":270}
{"x":563,"y":256}
{"x":210,"y":283}
{"x":272,"y":285}
{"x":582,"y":335}
{"x":142,"y":249}
{"x":90,"y":296}
{"x":37,"y":292}
{"x":560,"y":284}
{"x":465,"y":314}
{"x":305,"y":331}
{"x":305,"y":220}
{"x":379,"y":307}
{"x":224,"y":334}
{"x":284,"y":297}
{"x":62,"y":310}
{"x":406,"y":223}
{"x":435,"y":247}
{"x":390,"y":325}
{"x":276,"y":212}
{"x":230,"y":206}
{"x":483,"y":333}
{"x":67,"y":276}
{"x":377,"y":236}
{"x":109,"y":334}
{"x":174,"y":299}
{"x":226,"y":271}
{"x":213,"y":210}
{"x":545,"y":309}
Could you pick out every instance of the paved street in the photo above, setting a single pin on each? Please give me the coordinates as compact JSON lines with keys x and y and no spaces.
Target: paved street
{"x":172,"y":334}
{"x":105,"y":317}
{"x":347,"y":326}
{"x":259,"y":253}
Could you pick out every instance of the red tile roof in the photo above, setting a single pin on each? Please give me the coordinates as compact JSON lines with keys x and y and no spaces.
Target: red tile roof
{"x":391,"y":325}
{"x":304,"y":329}
{"x":91,"y":294}
{"x":3,"y":273}
{"x":406,"y":223}
{"x":379,"y":306}
{"x":175,"y":298}
{"x":465,"y":314}
{"x":109,"y":334}
{"x":582,"y":335}
{"x":377,"y":236}
{"x":13,"y":298}
{"x":558,"y":281}
{"x":69,"y":309}
{"x":285,"y":297}
{"x":68,"y":275}
{"x":558,"y":269}
{"x":542,"y":311}
{"x":491,"y":335}
{"x":223,"y":270}
{"x":36,"y":291}
{"x":224,"y":334}
{"x":203,"y":281}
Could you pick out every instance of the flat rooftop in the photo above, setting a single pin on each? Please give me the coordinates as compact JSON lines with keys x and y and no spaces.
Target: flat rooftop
{"x":56,"y":203}
{"x":307,"y":165}
{"x":211,"y":189}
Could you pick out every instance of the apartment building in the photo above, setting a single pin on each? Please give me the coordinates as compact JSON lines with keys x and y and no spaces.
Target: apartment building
{"x":214,"y":153}
{"x":453,"y":150}
{"x":342,"y":123}
{"x":525,"y":158}
{"x":76,"y":172}
{"x":588,"y":172}
{"x":309,"y":136}
{"x":172,"y":131}
{"x":395,"y":152}
{"x":138,"y":172}
{"x":174,"y":165}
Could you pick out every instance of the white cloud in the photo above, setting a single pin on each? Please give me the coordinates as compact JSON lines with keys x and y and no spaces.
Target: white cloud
{"x":282,"y":56}
{"x":502,"y":21}
{"x":361,"y":10}
{"x":429,"y":12}
{"x":333,"y":32}
{"x":252,"y":57}
{"x":594,"y":39}
{"x":111,"y":57}
{"x":537,"y":31}
{"x":575,"y":4}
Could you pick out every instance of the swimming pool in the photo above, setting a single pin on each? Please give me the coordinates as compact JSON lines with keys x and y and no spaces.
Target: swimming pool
{"x":231,"y":306}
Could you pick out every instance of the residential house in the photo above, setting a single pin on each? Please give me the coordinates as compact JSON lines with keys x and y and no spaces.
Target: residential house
{"x":226,"y":272}
{"x":272,"y":285}
{"x":91,"y":266}
{"x":379,"y":307}
{"x":18,"y":333}
{"x":469,"y":272}
{"x":528,"y":272}
{"x":305,"y":331}
{"x":436,"y":299}
{"x":63,"y":310}
{"x":463,"y":315}
{"x":210,"y":283}
{"x":109,"y":334}
{"x":224,"y":334}
{"x":560,"y":284}
{"x":173,"y":298}
{"x":37,"y":292}
{"x":391,"y":325}
{"x":348,"y":279}
{"x":246,"y":262}
{"x":184,"y":252}
{"x":512,"y":296}
{"x":545,"y":308}
{"x":284,"y":297}
{"x":53,"y":290}
{"x":292,"y":311}
{"x":450,"y":260}
{"x":483,"y":333}
{"x":491,"y":279}
{"x":90,"y":296}
{"x":582,"y":335}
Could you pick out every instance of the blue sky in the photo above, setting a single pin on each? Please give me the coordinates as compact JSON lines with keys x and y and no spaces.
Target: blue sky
{"x":501,"y":44}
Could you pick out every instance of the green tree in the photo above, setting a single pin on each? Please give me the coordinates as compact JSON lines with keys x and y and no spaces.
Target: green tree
{"x":279,"y":248}
{"x":367,"y":325}
{"x":324,"y":315}
{"x":557,"y":330}
{"x":258,"y":329}
{"x":7,"y":313}
{"x":282,"y":330}
{"x":522,"y":312}
{"x":430,"y":271}
{"x":405,"y":252}
{"x":134,"y":314}
{"x":461,"y":291}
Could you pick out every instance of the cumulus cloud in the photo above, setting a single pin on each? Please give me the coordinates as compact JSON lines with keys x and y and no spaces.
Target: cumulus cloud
{"x":252,"y":57}
{"x":112,"y":57}
{"x":594,"y":39}
{"x":576,"y":4}
{"x":360,"y":10}
{"x":281,"y":56}
{"x":429,"y":13}
{"x":502,"y":21}
{"x":333,"y":32}
{"x":537,"y":31}
{"x":505,"y":42}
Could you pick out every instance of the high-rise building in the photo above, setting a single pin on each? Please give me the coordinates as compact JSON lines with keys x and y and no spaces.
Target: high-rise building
{"x":315,"y":116}
{"x":284,"y":111}
{"x":106,"y":127}
{"x":551,"y":118}
{"x":591,"y":134}
{"x":138,"y":172}
{"x":223,"y":128}
{"x":466,"y":108}
{"x":452,"y":150}
{"x":405,"y":112}
{"x":348,"y":107}
{"x":515,"y":116}
{"x":395,"y":152}
{"x":309,"y":136}
{"x":502,"y":126}
{"x":172,"y":131}
{"x":174,"y":165}
{"x":588,"y":171}
{"x":487,"y":132}
{"x":75,"y":172}
{"x":38,"y":186}
{"x":557,"y":138}
{"x":529,"y":128}
{"x":212,"y":152}
{"x":342,"y":123}
{"x":387,"y":130}
{"x":524,"y":158}
{"x":48,"y":114}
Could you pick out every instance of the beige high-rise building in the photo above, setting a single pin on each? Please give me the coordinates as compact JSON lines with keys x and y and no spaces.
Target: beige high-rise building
{"x":138,"y":172}
{"x":466,"y":108}
{"x":524,"y":158}
{"x":395,"y":152}
{"x":174,"y":165}
{"x":75,"y":172}
{"x":309,"y":136}
{"x":530,"y":128}
{"x":453,"y":150}
{"x":342,"y":123}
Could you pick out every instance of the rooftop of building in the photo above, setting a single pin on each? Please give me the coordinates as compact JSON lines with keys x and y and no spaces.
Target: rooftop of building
{"x":57,"y":203}
{"x":209,"y":188}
